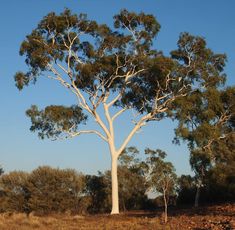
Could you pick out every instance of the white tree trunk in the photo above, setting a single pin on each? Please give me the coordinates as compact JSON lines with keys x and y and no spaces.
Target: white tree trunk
{"x":115,"y":154}
{"x":165,"y":204}
{"x":115,"y":199}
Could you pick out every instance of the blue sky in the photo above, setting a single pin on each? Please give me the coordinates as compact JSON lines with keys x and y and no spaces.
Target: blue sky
{"x":22,"y":150}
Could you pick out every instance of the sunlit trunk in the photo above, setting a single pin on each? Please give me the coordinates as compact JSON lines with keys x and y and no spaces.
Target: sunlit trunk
{"x":115,"y":199}
{"x":165,"y":204}
{"x":113,"y":151}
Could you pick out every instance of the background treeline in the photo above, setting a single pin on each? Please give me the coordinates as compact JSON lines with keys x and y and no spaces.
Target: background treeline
{"x":50,"y":190}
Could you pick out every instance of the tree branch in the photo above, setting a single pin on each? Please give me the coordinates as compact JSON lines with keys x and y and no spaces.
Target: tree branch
{"x":138,"y":125}
{"x":73,"y":134}
{"x":114,"y":100}
{"x":118,"y":113}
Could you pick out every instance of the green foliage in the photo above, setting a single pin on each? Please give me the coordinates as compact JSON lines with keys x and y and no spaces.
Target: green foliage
{"x":161,"y":174}
{"x":218,"y":185}
{"x":97,"y":188}
{"x":128,"y":158}
{"x":54,"y":120}
{"x":186,"y":190}
{"x":200,"y":162}
{"x":206,"y":117}
{"x":21,"y":80}
{"x":206,"y":122}
{"x":54,"y":190}
{"x":44,"y":190}
{"x":211,"y":176}
{"x":224,"y":150}
{"x":132,"y":189}
{"x":198,"y":61}
{"x":222,"y":180}
{"x":1,"y":171}
{"x":203,"y":113}
{"x":160,"y":171}
{"x":121,"y":59}
{"x":132,"y":182}
{"x":142,"y":21}
{"x":142,"y":26}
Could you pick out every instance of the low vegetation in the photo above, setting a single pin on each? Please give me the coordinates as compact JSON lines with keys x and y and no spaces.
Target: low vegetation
{"x":215,"y":217}
{"x":47,"y":190}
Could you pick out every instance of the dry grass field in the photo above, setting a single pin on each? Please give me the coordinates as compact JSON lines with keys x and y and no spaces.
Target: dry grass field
{"x":221,"y":217}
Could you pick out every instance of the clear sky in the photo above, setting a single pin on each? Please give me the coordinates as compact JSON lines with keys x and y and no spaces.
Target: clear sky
{"x":22,"y":150}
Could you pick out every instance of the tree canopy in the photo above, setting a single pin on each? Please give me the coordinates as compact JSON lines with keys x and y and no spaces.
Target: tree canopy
{"x":98,"y":60}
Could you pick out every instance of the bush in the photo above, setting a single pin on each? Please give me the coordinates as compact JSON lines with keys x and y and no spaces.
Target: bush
{"x":44,"y":190}
{"x":14,"y":192}
{"x":54,"y":190}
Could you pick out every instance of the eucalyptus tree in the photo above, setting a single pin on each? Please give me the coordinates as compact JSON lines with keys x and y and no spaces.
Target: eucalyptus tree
{"x":132,"y":181}
{"x":111,"y":71}
{"x":206,"y":121}
{"x":161,"y":176}
{"x":201,"y":163}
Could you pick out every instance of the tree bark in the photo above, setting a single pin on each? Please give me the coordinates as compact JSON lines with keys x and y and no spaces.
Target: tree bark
{"x":123,"y":205}
{"x":197,"y":197}
{"x":165,"y":204}
{"x":115,"y":199}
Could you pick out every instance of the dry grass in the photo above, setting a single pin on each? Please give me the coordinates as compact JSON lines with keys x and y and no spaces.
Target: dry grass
{"x":214,"y":218}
